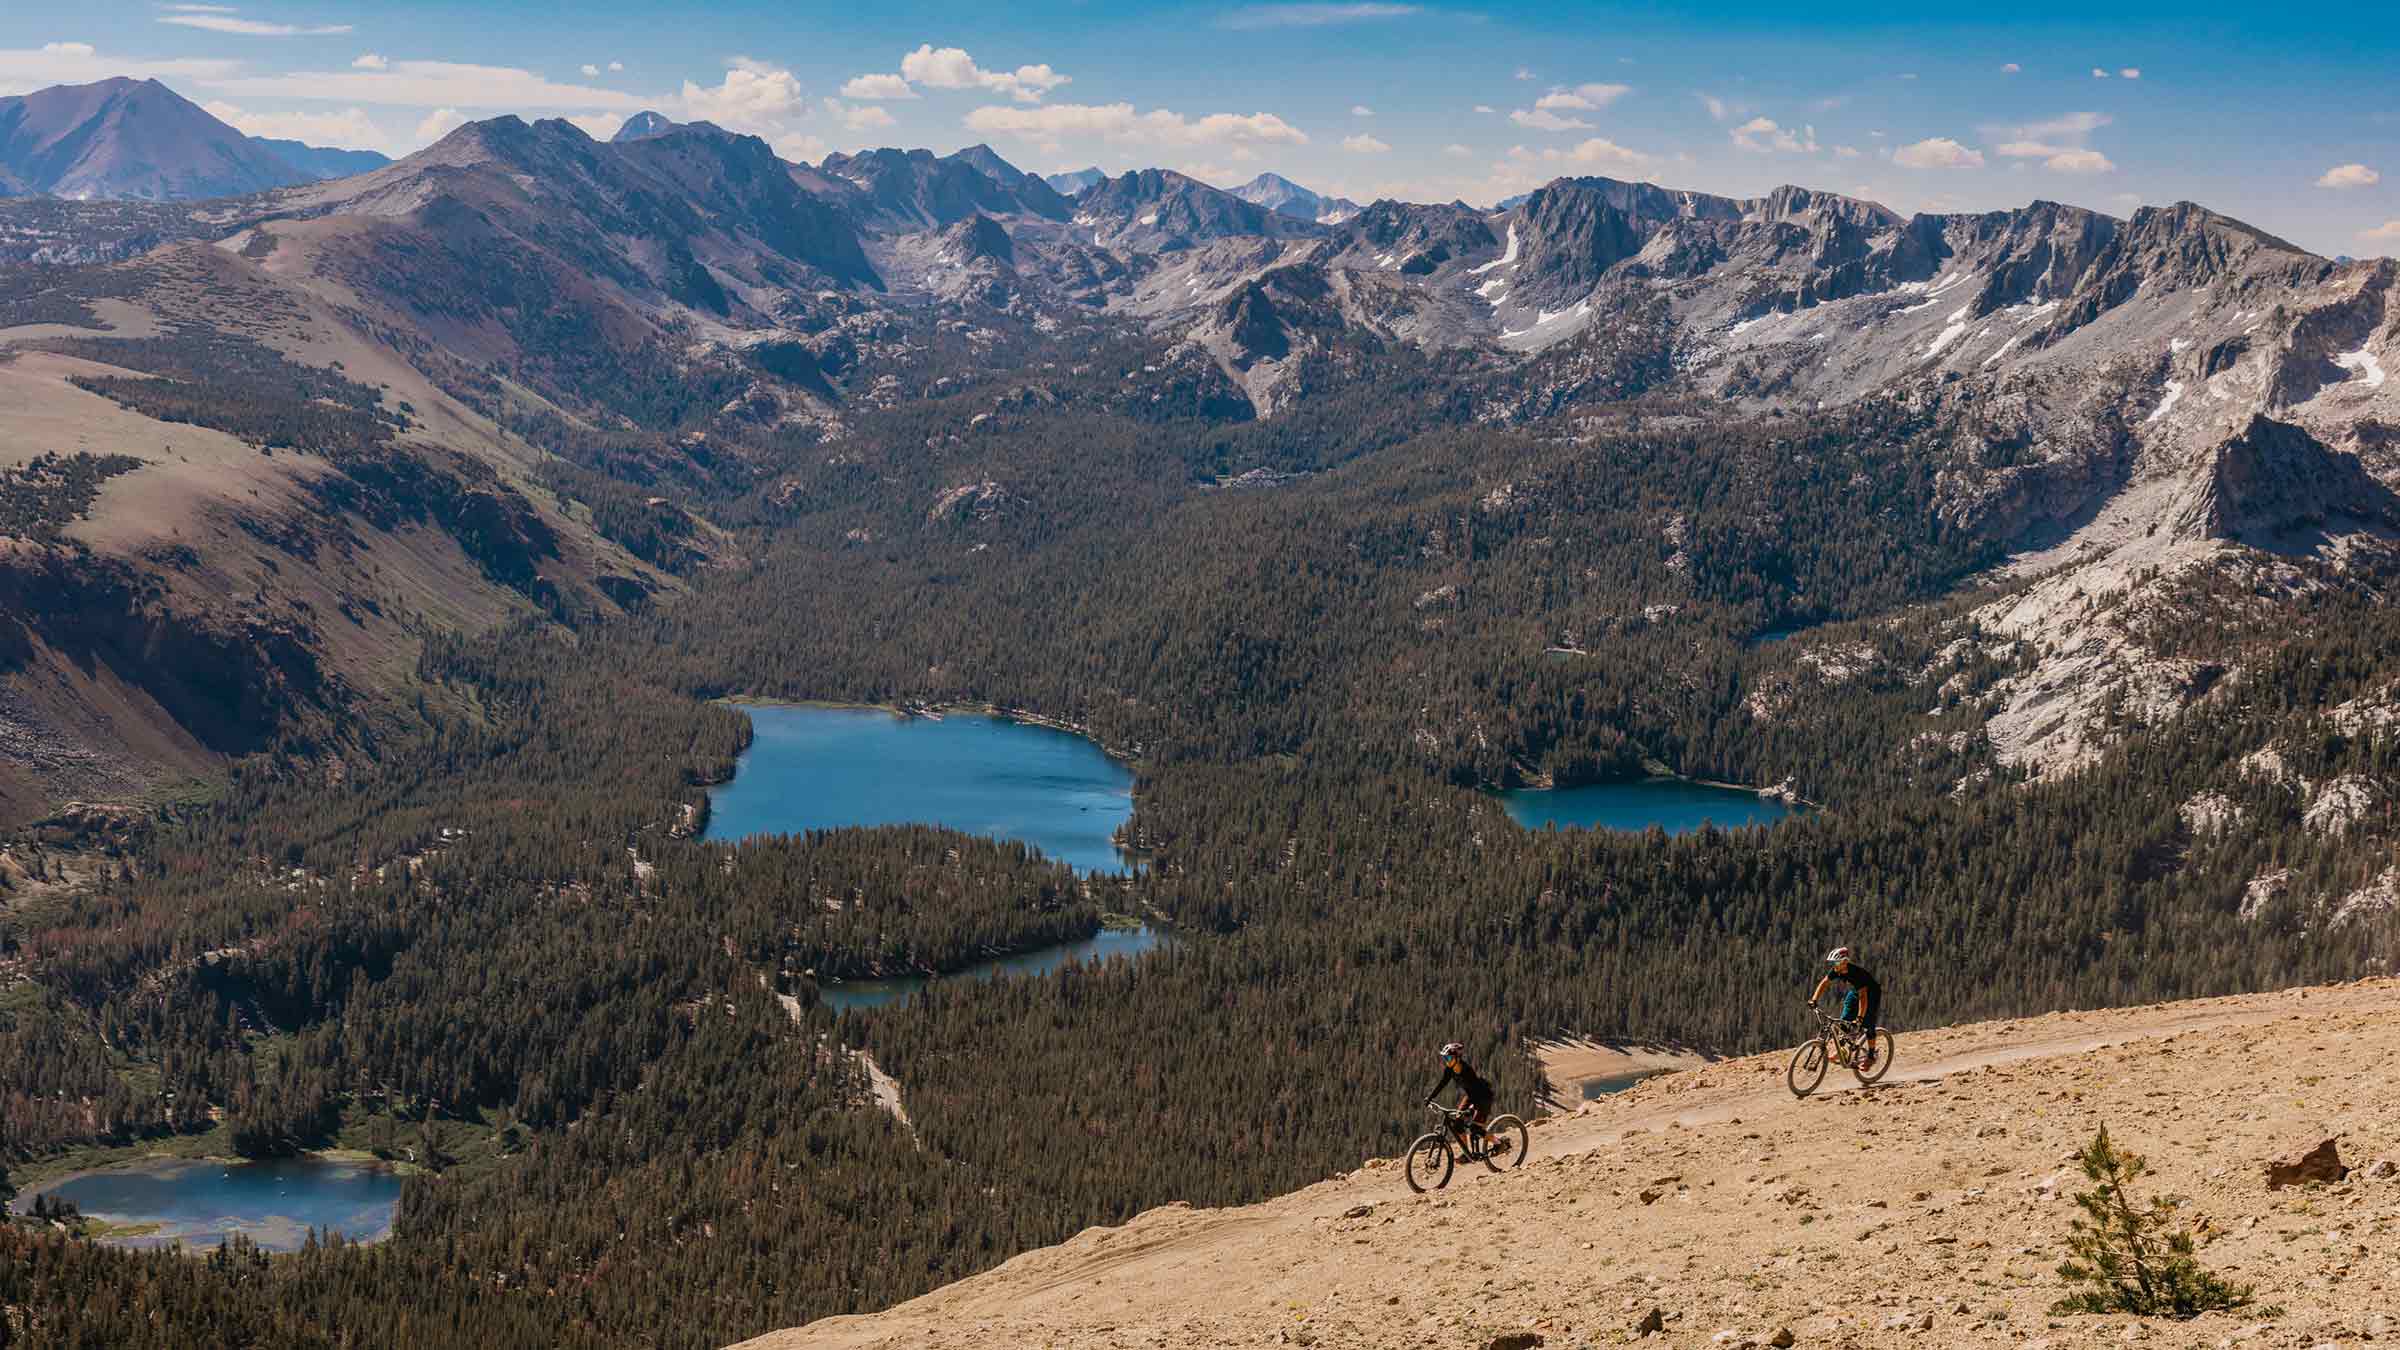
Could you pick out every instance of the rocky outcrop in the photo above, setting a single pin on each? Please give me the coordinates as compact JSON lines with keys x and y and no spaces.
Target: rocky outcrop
{"x":2275,"y":479}
{"x":2321,"y":1163}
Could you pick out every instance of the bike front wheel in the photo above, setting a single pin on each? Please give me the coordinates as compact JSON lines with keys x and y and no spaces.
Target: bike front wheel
{"x":1807,"y":1068}
{"x":1504,"y":1144}
{"x":1429,"y":1162}
{"x":1873,"y":1072}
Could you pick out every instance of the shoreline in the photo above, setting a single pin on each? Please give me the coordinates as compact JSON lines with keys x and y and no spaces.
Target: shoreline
{"x":46,"y":1182}
{"x":1570,"y":1064}
{"x":915,"y":711}
{"x":1545,"y":783}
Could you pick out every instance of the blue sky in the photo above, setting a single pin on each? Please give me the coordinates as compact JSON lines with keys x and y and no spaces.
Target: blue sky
{"x":2265,"y":112}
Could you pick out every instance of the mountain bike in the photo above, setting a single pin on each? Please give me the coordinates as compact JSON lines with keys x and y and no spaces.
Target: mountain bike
{"x":1839,"y":1042}
{"x":1500,"y":1146}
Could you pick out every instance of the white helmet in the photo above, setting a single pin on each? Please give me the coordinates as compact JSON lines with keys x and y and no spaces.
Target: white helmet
{"x":1452,"y":1051}
{"x":1837,"y":956}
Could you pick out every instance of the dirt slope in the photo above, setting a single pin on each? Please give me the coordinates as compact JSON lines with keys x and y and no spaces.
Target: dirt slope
{"x":1927,"y":1211}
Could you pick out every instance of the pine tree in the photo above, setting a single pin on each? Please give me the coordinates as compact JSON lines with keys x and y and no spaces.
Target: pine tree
{"x":2135,"y":1258}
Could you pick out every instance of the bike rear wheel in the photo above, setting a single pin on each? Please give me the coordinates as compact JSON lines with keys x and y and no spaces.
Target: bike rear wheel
{"x":1882,"y":1046}
{"x":1429,"y":1162}
{"x":1807,"y":1068}
{"x":1504,"y":1144}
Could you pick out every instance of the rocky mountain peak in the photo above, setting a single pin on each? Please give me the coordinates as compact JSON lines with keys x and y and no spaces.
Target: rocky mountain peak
{"x":130,"y":138}
{"x":1280,"y":194}
{"x":988,"y":161}
{"x":643,"y":125}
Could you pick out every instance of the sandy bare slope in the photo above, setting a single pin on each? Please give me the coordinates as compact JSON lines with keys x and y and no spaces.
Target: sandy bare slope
{"x":1928,"y":1211}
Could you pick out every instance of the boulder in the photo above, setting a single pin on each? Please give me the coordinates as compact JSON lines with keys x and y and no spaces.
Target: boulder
{"x":1650,"y":1323}
{"x":1782,"y":1339}
{"x":2321,"y":1163}
{"x":1514,"y":1340}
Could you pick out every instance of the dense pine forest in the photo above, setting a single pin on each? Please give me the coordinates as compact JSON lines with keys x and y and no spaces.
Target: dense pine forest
{"x":471,"y":929}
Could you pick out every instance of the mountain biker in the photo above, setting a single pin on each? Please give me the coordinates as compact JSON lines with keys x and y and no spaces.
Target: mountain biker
{"x":1861,"y":1003}
{"x":1477,"y":1098}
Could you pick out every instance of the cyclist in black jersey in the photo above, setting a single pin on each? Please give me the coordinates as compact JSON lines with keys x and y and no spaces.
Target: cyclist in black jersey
{"x":1862,"y":1002}
{"x":1476,"y":1098}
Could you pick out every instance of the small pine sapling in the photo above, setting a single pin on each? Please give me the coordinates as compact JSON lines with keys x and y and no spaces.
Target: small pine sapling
{"x":2134,"y":1258}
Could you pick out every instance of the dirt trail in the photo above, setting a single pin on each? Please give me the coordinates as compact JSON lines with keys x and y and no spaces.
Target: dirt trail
{"x":1718,"y":1198}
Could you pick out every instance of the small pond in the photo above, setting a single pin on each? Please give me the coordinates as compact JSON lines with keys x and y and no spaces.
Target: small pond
{"x":1675,"y":805}
{"x":1108,"y":942}
{"x":202,"y":1202}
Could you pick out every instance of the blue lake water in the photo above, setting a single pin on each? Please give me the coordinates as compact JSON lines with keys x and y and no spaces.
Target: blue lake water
{"x":827,"y":768}
{"x":1672,"y":804}
{"x":1106,"y":943}
{"x":201,"y":1203}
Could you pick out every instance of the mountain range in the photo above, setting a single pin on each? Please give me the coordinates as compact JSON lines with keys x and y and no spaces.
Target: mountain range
{"x":2171,"y":388}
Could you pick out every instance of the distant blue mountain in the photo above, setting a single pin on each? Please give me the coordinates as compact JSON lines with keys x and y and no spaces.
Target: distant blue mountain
{"x":1068,"y":184}
{"x":322,"y":161}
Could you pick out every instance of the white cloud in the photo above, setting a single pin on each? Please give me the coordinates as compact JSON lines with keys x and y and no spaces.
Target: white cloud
{"x":219,"y":19}
{"x":1583,"y":97}
{"x":1314,"y":16}
{"x":350,"y":129}
{"x":1844,"y":152}
{"x":2073,"y":126}
{"x":426,"y":84}
{"x":1054,"y":122}
{"x":753,"y":97}
{"x":2386,"y":233}
{"x":1523,"y":73}
{"x":371,"y":61}
{"x":2131,"y":72}
{"x":2079,"y":161}
{"x":439,"y":123}
{"x":598,"y":126}
{"x":952,"y":68}
{"x":1599,"y":152}
{"x":590,"y":71}
{"x":2098,"y":73}
{"x":23,"y":70}
{"x":1542,"y":119}
{"x":1361,"y":110}
{"x":2349,"y":176}
{"x":2060,"y":143}
{"x":877,"y":86}
{"x":863,"y":117}
{"x":1720,"y":109}
{"x":1761,"y":136}
{"x":616,"y":67}
{"x":799,"y":146}
{"x":1486,"y":109}
{"x":1364,"y":145}
{"x":1938,"y":152}
{"x":2011,"y":68}
{"x":1455,"y":148}
{"x":1596,"y":153}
